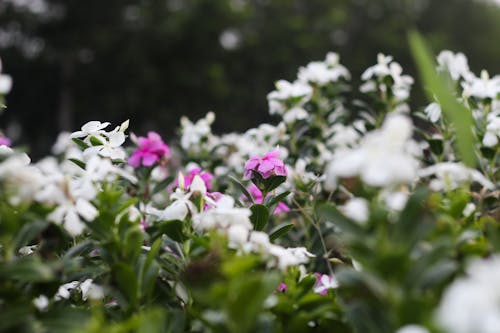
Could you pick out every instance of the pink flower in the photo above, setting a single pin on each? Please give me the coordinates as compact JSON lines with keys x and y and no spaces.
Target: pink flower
{"x":150,"y":151}
{"x":206,"y":176}
{"x":282,"y":287}
{"x":324,"y":282}
{"x":267,"y":166}
{"x":257,"y":197}
{"x":4,"y":141}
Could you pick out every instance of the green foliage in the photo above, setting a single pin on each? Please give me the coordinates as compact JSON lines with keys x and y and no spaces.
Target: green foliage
{"x":438,"y":87}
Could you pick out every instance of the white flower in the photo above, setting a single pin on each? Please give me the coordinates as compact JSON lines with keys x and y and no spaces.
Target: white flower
{"x":323,"y":73}
{"x":41,"y":303}
{"x":285,"y":91}
{"x":412,"y":329}
{"x":433,"y":112}
{"x":492,"y":134}
{"x":286,"y":257}
{"x":223,"y":216}
{"x":64,"y":290}
{"x":469,"y":209}
{"x":374,"y":76}
{"x":237,"y":236}
{"x":471,"y":304}
{"x":451,"y":175}
{"x":324,"y":283}
{"x":69,"y":214}
{"x":294,"y":114}
{"x":384,"y":158}
{"x":91,"y":290}
{"x":92,"y":128}
{"x":455,"y":64}
{"x":111,"y":146}
{"x":5,"y":82}
{"x":356,"y":209}
{"x":483,"y":87}
{"x":27,"y":250}
{"x":395,"y":200}
{"x":197,"y":136}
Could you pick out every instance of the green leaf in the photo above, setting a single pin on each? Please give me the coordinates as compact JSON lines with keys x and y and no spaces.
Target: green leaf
{"x":95,"y":141}
{"x":28,"y":232}
{"x":173,"y":229}
{"x":437,"y":86}
{"x":80,"y":143}
{"x":272,"y":200}
{"x":126,"y":204}
{"x":150,"y":268}
{"x":162,"y":185}
{"x":260,"y":216}
{"x":78,"y":249}
{"x":134,"y":238}
{"x":330,"y":212}
{"x":240,"y":265}
{"x":242,"y":188}
{"x":280,"y":230}
{"x":246,"y":296}
{"x":78,"y":162}
{"x":126,"y":280}
{"x":27,"y":270}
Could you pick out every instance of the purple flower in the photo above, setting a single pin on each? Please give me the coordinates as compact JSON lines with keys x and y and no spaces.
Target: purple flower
{"x":257,"y":197}
{"x":150,"y":151}
{"x":282,"y":287}
{"x":4,"y":141}
{"x":267,"y":166}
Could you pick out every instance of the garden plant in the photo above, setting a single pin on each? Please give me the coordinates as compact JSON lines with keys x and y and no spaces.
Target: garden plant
{"x":353,"y":213}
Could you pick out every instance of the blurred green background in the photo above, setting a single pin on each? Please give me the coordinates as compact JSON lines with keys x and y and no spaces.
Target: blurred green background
{"x":155,"y":60}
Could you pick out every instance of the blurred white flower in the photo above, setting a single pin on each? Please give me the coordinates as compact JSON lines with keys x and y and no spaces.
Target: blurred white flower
{"x":5,"y":82}
{"x":449,"y":176}
{"x":41,"y":303}
{"x":412,"y":329}
{"x":471,"y":304}
{"x":455,"y":64}
{"x":356,"y":209}
{"x":223,"y":216}
{"x":384,"y":158}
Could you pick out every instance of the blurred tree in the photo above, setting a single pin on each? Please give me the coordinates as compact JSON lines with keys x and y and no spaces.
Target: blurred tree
{"x":153,"y":61}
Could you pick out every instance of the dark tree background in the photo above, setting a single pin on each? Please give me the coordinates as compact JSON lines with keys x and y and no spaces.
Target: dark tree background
{"x":153,"y":61}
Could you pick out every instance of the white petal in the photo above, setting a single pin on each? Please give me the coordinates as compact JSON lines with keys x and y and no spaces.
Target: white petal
{"x":86,"y":209}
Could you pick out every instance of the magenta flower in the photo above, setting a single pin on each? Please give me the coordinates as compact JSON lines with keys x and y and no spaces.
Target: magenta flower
{"x":267,"y":166}
{"x":4,"y":141}
{"x":151,"y":150}
{"x":282,"y":287}
{"x":257,"y":198}
{"x":206,"y":176}
{"x":324,"y":282}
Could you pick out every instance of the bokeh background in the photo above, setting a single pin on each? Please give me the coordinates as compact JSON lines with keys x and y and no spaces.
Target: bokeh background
{"x":155,"y":60}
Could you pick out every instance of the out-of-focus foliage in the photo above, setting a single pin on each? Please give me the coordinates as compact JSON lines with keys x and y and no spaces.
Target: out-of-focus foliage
{"x":153,"y":61}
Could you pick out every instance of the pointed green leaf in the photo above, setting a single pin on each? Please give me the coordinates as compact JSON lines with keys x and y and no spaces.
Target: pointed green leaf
{"x":436,"y":85}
